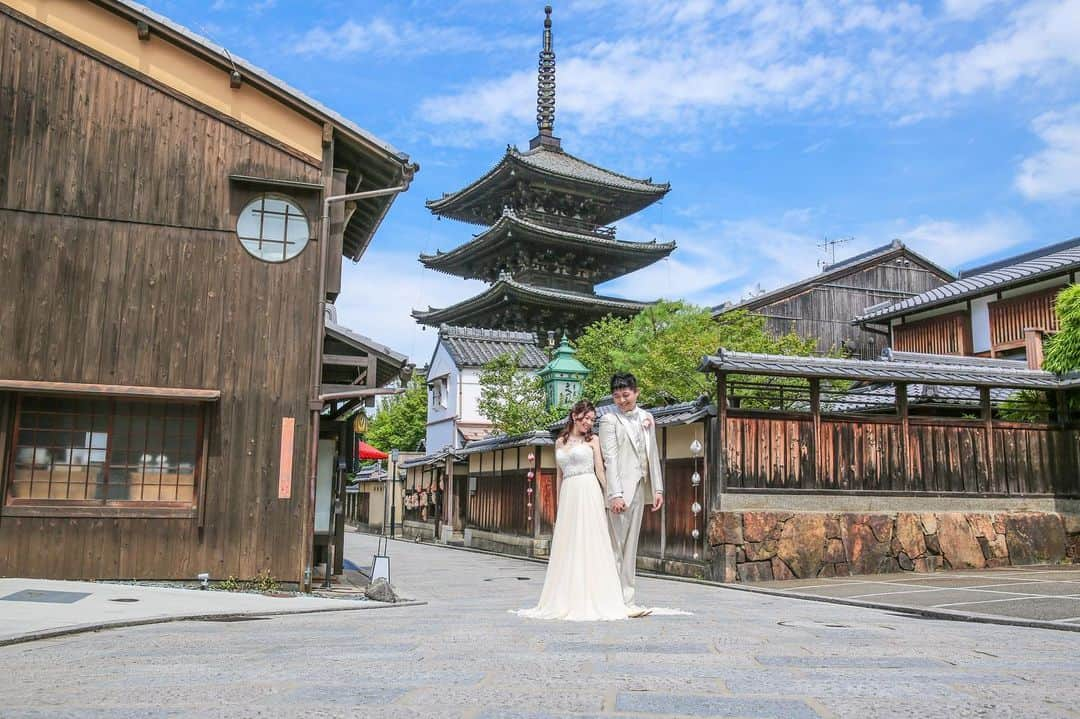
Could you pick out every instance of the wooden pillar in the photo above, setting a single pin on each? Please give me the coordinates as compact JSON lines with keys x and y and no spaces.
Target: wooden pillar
{"x":813,"y":481}
{"x":535,"y":484}
{"x":1033,"y":347}
{"x":905,"y":435}
{"x":663,"y":509}
{"x":721,"y":437}
{"x":5,"y":446}
{"x":988,"y":429}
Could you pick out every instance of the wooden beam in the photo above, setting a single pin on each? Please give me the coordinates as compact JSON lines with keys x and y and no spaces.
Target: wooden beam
{"x":329,"y":392}
{"x":722,"y":438}
{"x":815,"y":413}
{"x":988,"y":428}
{"x":346,"y":360}
{"x":905,"y":432}
{"x":112,"y":390}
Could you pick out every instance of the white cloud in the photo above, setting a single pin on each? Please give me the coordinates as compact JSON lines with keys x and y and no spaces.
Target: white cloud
{"x":951,"y":244}
{"x":1053,"y":172}
{"x":382,"y":36}
{"x":669,"y":68}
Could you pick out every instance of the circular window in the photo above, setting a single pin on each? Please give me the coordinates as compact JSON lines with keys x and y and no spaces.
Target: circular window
{"x":273,"y":228}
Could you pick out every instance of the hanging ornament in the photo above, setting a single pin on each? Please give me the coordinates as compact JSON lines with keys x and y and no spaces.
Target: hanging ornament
{"x":695,"y":479}
{"x":695,"y":447}
{"x":695,"y":534}
{"x":695,"y":508}
{"x":696,"y":555}
{"x":529,"y":505}
{"x":529,"y":490}
{"x":531,"y":456}
{"x":530,"y":475}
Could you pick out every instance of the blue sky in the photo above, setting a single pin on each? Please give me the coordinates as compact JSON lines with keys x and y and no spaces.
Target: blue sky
{"x":953,"y":126}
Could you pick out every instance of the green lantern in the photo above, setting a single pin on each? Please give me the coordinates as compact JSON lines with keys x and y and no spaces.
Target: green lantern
{"x":563,"y":377}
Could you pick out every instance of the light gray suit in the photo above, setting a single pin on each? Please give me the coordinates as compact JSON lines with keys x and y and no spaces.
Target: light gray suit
{"x":632,"y":466}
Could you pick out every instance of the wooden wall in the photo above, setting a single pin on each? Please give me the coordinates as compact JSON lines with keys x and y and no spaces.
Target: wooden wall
{"x":120,"y":265}
{"x":947,"y":456}
{"x":948,"y":334}
{"x":825,"y":311}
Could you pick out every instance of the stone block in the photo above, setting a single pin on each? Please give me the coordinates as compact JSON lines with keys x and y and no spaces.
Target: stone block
{"x":1071,"y":522}
{"x":834,"y":552}
{"x":865,"y":554}
{"x":802,"y":544}
{"x":827,"y":570}
{"x":909,"y":533}
{"x":843,"y":569}
{"x":781,"y":570}
{"x":927,"y":564}
{"x":380,"y":591}
{"x":1035,"y":538}
{"x":982,"y":525}
{"x":725,"y":528}
{"x":882,"y":526}
{"x":933,"y":547}
{"x":905,"y":562}
{"x":832,"y":526}
{"x":759,"y":526}
{"x":755,"y":572}
{"x":929,"y":523}
{"x":957,"y":541}
{"x":759,"y":551}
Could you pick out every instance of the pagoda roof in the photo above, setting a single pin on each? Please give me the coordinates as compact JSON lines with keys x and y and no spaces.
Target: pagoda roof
{"x":551,"y":164}
{"x":480,"y":308}
{"x":494,"y":242}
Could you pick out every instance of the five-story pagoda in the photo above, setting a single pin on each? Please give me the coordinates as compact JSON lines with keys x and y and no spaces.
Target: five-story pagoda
{"x":549,"y":239}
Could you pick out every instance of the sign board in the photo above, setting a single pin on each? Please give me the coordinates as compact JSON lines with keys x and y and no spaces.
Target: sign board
{"x":288,"y":434}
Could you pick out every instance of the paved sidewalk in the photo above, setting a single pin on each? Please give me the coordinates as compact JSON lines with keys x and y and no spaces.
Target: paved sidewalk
{"x":1046,"y":596}
{"x":39,"y":608}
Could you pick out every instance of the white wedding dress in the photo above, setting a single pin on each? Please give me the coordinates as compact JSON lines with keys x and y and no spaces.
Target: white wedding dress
{"x":582,"y":581}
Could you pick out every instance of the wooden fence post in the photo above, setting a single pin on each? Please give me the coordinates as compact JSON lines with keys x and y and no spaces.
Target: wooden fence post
{"x":988,"y":428}
{"x":815,"y":414}
{"x":905,"y":431}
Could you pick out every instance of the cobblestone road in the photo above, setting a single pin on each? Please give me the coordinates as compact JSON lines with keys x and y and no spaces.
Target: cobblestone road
{"x":463,"y":655}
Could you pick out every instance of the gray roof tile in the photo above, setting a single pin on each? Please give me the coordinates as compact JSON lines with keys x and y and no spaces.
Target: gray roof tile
{"x":1001,"y":276}
{"x":472,"y":347}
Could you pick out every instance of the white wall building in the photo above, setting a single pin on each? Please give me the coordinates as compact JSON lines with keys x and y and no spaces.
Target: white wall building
{"x":453,"y":380}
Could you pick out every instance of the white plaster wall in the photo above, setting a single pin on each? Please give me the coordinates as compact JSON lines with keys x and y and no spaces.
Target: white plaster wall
{"x":470,"y":396}
{"x":980,"y":324}
{"x":440,"y":420}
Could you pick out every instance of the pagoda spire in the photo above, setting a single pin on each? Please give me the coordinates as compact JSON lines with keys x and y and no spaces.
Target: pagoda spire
{"x":545,"y":90}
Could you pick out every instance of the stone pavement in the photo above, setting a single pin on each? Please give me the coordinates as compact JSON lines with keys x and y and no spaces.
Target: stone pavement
{"x":462,"y":655}
{"x":1040,"y":596}
{"x":34,"y":608}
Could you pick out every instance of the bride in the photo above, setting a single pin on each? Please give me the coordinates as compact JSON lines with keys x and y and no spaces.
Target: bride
{"x":582,"y":581}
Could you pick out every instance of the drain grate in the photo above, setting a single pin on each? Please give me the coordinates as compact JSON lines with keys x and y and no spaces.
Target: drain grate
{"x":123,"y":599}
{"x":520,"y":579}
{"x":45,"y":596}
{"x":231,"y":619}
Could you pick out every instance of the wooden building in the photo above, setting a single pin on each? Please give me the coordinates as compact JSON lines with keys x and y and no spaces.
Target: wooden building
{"x":824,"y":305}
{"x":810,"y":481}
{"x":479,"y":496}
{"x":549,"y":239}
{"x":1002,"y":309}
{"x":166,"y":256}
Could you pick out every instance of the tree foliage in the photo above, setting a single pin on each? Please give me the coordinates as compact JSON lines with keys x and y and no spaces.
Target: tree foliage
{"x":511,"y":398}
{"x":663,"y":346}
{"x":1063,"y":349}
{"x":401,"y":421}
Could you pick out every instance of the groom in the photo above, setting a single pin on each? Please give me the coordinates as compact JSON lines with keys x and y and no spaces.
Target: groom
{"x":632,"y":466}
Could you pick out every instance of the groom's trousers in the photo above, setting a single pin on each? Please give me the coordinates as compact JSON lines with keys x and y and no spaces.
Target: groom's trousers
{"x":625,"y":530}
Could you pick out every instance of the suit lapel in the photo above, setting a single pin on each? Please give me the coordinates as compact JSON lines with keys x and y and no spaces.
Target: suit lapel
{"x":634,"y":437}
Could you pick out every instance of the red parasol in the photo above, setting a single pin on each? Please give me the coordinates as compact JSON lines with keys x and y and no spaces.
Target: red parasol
{"x":366,"y":451}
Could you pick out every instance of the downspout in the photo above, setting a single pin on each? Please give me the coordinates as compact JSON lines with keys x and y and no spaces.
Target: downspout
{"x":316,"y":402}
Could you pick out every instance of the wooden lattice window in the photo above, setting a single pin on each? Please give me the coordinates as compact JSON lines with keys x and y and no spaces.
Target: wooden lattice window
{"x":945,"y":334}
{"x":104,"y":452}
{"x":1010,"y":317}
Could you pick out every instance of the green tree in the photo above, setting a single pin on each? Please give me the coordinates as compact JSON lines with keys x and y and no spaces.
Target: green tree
{"x":1063,"y":349}
{"x":510,"y":398}
{"x":663,"y":346}
{"x":401,"y":421}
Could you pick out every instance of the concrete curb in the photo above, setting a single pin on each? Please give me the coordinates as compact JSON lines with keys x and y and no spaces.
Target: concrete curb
{"x":941,"y":614}
{"x":225,"y":616}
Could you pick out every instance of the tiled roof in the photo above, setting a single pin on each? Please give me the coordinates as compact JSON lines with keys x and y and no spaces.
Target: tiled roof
{"x":667,"y":415}
{"x":364,"y":343}
{"x":558,"y":162}
{"x":528,"y":294}
{"x":553,"y":163}
{"x":883,"y":396}
{"x":1031,"y":268}
{"x":536,"y":438}
{"x":831,"y":272}
{"x":650,"y":251}
{"x":430,"y":459}
{"x":975,"y":374}
{"x":472,"y":347}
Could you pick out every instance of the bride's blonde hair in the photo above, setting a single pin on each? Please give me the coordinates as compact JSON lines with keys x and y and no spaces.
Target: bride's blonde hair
{"x":580,"y":408}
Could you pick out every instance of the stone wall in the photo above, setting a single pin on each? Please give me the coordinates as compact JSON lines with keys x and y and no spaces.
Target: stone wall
{"x":750,"y":546}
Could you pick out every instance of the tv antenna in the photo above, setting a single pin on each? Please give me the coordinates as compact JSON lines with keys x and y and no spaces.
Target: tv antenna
{"x":829,"y":246}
